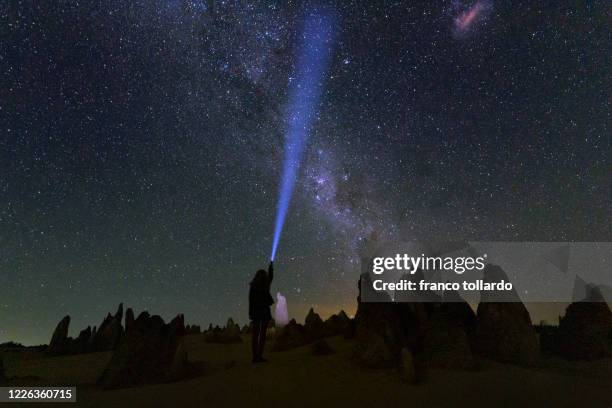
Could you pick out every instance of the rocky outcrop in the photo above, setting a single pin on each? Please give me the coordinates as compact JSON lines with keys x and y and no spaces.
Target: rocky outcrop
{"x":109,"y":332}
{"x":446,"y":344}
{"x":312,"y":319}
{"x":102,"y":338}
{"x":585,"y":332}
{"x":457,"y":311}
{"x":129,"y":319}
{"x":3,"y":378}
{"x":229,"y":334}
{"x":88,"y":340}
{"x":119,"y":313}
{"x":60,"y":342}
{"x":503,"y":329}
{"x":383,"y":328}
{"x":338,"y":324}
{"x":314,"y":327}
{"x":290,"y":336}
{"x":149,"y":353}
{"x":108,"y":335}
{"x":81,"y":343}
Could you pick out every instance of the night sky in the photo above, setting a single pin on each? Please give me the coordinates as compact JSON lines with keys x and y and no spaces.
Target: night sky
{"x":142,"y":147}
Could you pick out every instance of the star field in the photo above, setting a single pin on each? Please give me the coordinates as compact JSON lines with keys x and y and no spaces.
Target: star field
{"x":142,"y":147}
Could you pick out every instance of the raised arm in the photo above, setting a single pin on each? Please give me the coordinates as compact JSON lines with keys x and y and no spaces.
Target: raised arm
{"x":270,"y":271}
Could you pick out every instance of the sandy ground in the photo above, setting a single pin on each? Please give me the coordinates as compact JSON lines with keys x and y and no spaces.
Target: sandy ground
{"x":297,"y":378}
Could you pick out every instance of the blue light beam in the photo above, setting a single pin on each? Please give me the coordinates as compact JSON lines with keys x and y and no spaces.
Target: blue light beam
{"x":314,"y":55}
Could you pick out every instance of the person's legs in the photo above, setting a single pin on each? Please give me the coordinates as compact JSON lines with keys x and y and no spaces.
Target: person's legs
{"x":262,"y":338}
{"x":255,"y":340}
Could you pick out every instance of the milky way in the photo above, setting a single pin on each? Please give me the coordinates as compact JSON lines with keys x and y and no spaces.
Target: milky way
{"x":466,"y":19}
{"x":142,"y":147}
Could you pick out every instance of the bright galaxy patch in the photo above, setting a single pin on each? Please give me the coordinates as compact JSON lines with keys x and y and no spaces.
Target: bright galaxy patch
{"x":468,"y":19}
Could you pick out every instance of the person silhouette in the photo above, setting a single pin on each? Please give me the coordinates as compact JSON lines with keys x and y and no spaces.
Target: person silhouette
{"x":260,"y":301}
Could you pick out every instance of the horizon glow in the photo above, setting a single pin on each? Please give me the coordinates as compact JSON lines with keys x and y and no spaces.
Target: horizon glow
{"x":305,"y":89}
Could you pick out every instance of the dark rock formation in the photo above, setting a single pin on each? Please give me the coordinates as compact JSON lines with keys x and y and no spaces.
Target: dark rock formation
{"x":129,"y":319}
{"x":98,"y":343}
{"x":94,"y":333}
{"x":314,"y":327}
{"x":446,"y":344}
{"x":349,"y":333}
{"x":81,"y":343}
{"x":503,"y":329}
{"x":60,"y":342}
{"x":585,"y":332}
{"x":229,"y":334}
{"x":456,"y":310}
{"x":548,"y":337}
{"x":106,"y":337}
{"x":3,"y":378}
{"x":290,"y":336}
{"x":109,"y":336}
{"x":407,"y":368}
{"x":337,"y":324}
{"x":149,"y":353}
{"x":119,"y":313}
{"x":312,"y":319}
{"x":109,"y":332}
{"x":321,"y":348}
{"x":383,"y":328}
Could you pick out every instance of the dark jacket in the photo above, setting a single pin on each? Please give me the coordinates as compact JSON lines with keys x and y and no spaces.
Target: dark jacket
{"x":260,"y":299}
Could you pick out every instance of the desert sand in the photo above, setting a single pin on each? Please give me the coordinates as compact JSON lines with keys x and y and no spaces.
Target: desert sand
{"x":297,"y":378}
